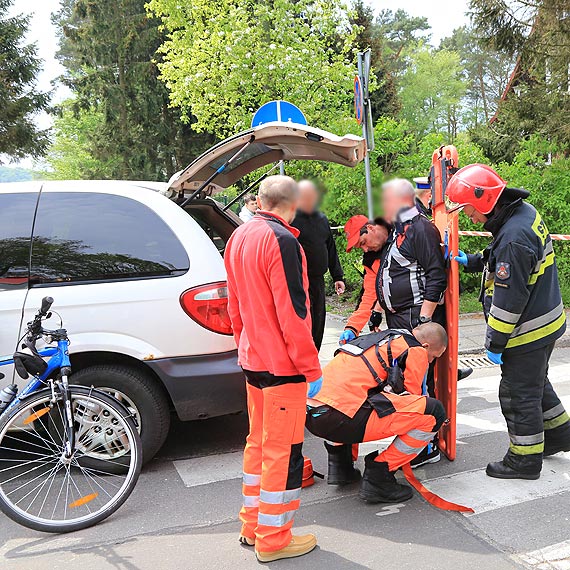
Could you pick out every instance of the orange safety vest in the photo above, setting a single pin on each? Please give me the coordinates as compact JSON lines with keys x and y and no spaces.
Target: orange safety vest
{"x":348,"y":380}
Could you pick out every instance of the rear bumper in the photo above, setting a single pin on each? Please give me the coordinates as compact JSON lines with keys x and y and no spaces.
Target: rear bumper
{"x":203,"y":386}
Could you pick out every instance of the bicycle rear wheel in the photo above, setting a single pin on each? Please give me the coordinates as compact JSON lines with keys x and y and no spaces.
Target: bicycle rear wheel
{"x":42,"y":489}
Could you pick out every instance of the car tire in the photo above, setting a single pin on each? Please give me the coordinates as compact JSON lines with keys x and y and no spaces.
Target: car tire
{"x":141,"y":390}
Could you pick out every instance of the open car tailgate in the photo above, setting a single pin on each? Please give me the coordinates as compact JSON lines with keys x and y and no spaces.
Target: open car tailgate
{"x":269,"y":143}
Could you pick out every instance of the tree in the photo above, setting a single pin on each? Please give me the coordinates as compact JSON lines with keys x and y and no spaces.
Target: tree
{"x":384,"y":99}
{"x":19,"y":98}
{"x":431,"y":91}
{"x":537,"y":33}
{"x":224,"y":58}
{"x":401,"y":32}
{"x":486,"y":72}
{"x":108,"y":50}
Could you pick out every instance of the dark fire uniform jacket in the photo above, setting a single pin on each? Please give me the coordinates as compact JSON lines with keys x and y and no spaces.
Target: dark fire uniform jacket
{"x":520,"y":290}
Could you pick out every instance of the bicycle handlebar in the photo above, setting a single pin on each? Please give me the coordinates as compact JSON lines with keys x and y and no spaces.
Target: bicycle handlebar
{"x":47,"y":302}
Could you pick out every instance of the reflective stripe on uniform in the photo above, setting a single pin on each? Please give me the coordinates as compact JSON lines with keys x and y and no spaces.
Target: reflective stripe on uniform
{"x":500,"y":326}
{"x":421,"y":435}
{"x":538,"y":333}
{"x":275,"y":520}
{"x":505,"y":316}
{"x":252,"y":480}
{"x":553,"y":412}
{"x":406,"y":449}
{"x":279,"y":497}
{"x":546,"y":263}
{"x":527,"y":449}
{"x":526,"y":439}
{"x":558,"y":421}
{"x":250,"y":500}
{"x":539,"y":321}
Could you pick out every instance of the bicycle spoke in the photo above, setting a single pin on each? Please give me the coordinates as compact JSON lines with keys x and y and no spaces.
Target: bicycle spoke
{"x":53,"y":476}
{"x":20,"y":464}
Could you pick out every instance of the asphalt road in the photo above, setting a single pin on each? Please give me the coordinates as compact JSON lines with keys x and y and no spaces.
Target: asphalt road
{"x":182,"y":514}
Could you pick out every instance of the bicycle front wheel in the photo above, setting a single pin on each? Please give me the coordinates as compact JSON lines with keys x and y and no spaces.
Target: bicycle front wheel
{"x":44,"y":489}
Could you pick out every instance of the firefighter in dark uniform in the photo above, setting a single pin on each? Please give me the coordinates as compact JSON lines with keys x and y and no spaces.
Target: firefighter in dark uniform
{"x":525,"y":315}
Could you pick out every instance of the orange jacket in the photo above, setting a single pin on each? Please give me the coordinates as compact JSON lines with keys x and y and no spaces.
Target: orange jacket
{"x":268,"y":303}
{"x":347,"y":379}
{"x":359,"y":319}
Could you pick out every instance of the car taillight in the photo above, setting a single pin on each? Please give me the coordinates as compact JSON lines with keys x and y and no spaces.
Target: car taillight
{"x":208,"y":306}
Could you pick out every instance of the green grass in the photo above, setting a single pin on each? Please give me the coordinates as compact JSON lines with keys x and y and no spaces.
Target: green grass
{"x":469,"y":302}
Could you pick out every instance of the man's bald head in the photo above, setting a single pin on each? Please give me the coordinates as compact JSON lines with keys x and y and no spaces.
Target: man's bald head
{"x":397,"y":194}
{"x":308,"y":196}
{"x":279,"y":194}
{"x":433,"y":338}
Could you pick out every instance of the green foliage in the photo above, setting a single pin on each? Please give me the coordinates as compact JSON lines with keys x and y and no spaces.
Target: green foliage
{"x":431,"y":91}
{"x":119,"y":118}
{"x":19,"y":98}
{"x":224,"y":58}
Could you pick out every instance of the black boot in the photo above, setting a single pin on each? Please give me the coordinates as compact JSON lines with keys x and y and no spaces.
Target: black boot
{"x":516,"y":467}
{"x":341,"y":465}
{"x":379,"y":485}
{"x":557,"y":439}
{"x":463,"y":373}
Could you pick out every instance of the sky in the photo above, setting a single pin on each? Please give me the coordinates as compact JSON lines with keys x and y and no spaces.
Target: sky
{"x":448,"y":15}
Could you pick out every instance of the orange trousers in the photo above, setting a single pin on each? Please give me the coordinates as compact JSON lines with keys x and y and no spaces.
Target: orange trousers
{"x":412,"y":426}
{"x":414,"y":422}
{"x":273,"y":458}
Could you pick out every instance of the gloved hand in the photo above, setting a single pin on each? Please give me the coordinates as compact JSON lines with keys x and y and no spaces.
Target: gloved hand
{"x":461,"y":258}
{"x":346,"y":336}
{"x":375,"y":320}
{"x":494,"y":357}
{"x":313,"y":388}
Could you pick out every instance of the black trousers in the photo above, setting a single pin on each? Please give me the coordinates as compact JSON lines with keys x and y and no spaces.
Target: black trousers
{"x":318,"y":307}
{"x":531,"y":407}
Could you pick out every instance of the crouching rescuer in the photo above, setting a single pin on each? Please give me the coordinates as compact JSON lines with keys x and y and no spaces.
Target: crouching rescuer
{"x":372,"y":390}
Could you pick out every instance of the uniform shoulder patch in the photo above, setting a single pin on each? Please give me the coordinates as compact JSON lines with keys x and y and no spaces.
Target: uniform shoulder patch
{"x":503,"y":270}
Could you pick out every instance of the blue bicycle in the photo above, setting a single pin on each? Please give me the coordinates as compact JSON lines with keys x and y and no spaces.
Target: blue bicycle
{"x":70,"y":456}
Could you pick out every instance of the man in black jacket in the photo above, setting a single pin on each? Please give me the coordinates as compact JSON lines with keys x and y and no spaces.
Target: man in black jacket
{"x":412,"y":277}
{"x":320,"y":250}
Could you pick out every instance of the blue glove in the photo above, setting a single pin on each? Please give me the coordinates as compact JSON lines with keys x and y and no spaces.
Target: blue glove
{"x":461,"y":257}
{"x":494,"y":357}
{"x":314,"y":387}
{"x":346,"y":336}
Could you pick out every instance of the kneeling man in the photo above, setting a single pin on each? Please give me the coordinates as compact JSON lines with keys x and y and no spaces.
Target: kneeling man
{"x":372,"y":390}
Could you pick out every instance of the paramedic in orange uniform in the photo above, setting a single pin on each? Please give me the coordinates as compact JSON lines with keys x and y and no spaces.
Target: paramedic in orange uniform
{"x":270,"y":315}
{"x":371,"y":390}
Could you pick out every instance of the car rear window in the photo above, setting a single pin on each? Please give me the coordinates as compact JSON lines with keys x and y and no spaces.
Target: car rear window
{"x":16,"y":219}
{"x":82,"y":237}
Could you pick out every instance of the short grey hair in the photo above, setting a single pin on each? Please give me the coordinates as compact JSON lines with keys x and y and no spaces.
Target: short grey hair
{"x":401,"y":186}
{"x":278,"y":190}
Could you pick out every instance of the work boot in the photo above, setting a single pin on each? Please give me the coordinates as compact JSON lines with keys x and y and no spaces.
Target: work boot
{"x":341,"y":465}
{"x":379,"y":485}
{"x":298,"y":546}
{"x":515,"y":466}
{"x":463,"y":373}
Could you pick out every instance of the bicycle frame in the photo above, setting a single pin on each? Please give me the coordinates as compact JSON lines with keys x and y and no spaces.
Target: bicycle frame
{"x":59,"y":359}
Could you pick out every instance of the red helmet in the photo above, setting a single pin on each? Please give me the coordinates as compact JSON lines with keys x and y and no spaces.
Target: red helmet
{"x":477,"y":185}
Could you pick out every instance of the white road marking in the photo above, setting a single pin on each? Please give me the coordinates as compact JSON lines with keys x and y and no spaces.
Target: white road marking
{"x":210,"y":469}
{"x":390,"y":510}
{"x":554,"y":557}
{"x":483,"y":494}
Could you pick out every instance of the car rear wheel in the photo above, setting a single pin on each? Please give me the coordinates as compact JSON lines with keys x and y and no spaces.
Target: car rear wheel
{"x":140,"y":394}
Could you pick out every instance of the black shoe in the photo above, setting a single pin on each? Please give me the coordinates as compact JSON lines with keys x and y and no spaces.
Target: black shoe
{"x":429,"y":454}
{"x":341,"y":465}
{"x":499,"y":470}
{"x":553,"y":448}
{"x":463,"y":373}
{"x":379,"y":485}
